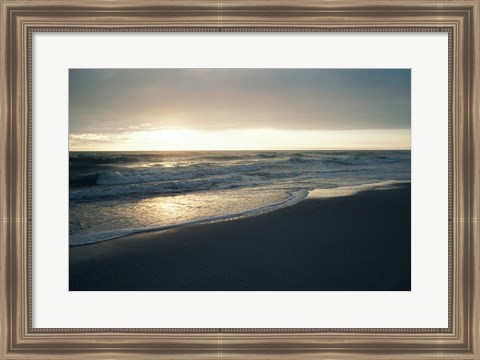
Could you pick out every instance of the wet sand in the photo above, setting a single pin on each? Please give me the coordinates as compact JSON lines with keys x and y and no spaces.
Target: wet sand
{"x":349,"y":243}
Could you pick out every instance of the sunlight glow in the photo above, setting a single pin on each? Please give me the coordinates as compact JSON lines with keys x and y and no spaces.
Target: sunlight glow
{"x":183,"y":139}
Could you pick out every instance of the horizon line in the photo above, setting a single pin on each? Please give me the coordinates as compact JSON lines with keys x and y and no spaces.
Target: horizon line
{"x":203,"y":150}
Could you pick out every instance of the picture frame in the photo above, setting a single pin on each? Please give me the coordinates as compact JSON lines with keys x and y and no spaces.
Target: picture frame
{"x":20,"y":19}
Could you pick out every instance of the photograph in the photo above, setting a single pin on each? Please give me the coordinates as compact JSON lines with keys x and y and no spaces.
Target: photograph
{"x":239,"y":179}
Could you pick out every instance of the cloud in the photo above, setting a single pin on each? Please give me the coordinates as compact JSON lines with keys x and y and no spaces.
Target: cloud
{"x":118,"y":100}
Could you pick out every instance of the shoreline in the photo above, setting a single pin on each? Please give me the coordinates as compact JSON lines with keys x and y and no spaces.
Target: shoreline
{"x":296,"y":197}
{"x":354,"y":242}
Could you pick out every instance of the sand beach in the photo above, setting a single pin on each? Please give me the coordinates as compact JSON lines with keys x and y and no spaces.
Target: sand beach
{"x":357,"y":242}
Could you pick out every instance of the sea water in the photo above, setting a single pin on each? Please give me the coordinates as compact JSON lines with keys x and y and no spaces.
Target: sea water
{"x":118,"y":193}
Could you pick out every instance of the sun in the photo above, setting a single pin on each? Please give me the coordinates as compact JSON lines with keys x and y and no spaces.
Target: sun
{"x":168,"y":139}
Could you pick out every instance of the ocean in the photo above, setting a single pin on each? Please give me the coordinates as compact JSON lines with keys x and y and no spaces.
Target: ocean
{"x":114,"y":194}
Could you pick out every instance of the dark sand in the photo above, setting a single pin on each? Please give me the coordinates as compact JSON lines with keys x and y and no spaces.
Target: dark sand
{"x":358,"y":242}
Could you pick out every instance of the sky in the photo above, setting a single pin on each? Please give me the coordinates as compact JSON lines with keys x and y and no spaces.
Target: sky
{"x":238,"y":109}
